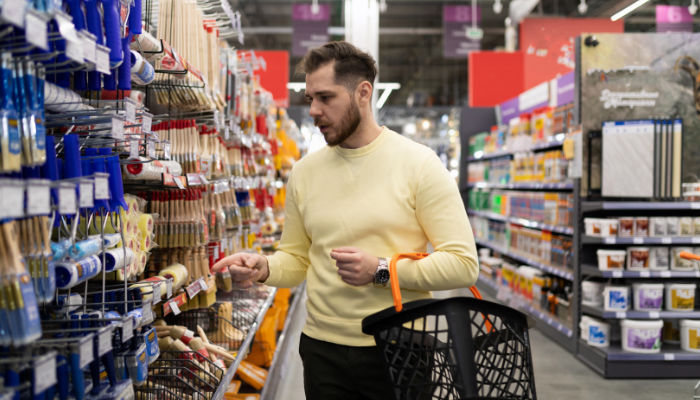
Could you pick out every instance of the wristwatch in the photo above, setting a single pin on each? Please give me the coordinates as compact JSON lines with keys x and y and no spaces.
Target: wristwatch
{"x":381,"y":276}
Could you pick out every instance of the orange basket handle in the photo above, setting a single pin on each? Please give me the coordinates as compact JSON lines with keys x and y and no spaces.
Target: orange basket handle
{"x":689,"y":256}
{"x":394,"y":278}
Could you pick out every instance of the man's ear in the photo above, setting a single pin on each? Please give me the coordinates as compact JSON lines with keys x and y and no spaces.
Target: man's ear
{"x":364,"y":92}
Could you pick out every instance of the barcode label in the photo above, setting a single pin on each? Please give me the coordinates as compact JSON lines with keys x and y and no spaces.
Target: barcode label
{"x":117,"y":129}
{"x":638,"y":240}
{"x":67,"y":201}
{"x":104,"y":342}
{"x":86,"y":195}
{"x":101,"y":188}
{"x":669,"y":357}
{"x":38,"y":199}
{"x":620,"y":314}
{"x":44,"y":373}
{"x":130,"y":111}
{"x":610,"y":240}
{"x":86,"y":351}
{"x":127,"y":329}
{"x":174,"y":308}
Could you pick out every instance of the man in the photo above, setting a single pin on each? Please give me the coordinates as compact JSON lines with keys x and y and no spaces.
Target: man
{"x":351,"y":206}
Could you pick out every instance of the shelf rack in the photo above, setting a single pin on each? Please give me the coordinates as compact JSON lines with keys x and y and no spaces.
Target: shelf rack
{"x":598,"y":312}
{"x":588,"y":206}
{"x":560,"y":272}
{"x":522,"y":186}
{"x":565,"y":230}
{"x":639,"y":240}
{"x":589,"y":270}
{"x":552,"y":144}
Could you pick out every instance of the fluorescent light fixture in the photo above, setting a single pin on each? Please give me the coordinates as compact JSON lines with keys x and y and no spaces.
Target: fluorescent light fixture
{"x":622,"y":13}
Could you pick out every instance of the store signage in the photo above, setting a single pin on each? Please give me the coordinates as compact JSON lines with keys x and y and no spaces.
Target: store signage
{"x":276,"y":76}
{"x":673,"y":19}
{"x":563,"y":90}
{"x":309,"y":29}
{"x":641,"y":98}
{"x":459,"y":33}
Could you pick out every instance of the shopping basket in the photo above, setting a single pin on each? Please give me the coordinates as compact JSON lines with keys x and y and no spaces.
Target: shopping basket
{"x":456,"y":348}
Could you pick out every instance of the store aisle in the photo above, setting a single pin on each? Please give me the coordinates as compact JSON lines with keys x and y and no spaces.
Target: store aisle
{"x":558,"y":375}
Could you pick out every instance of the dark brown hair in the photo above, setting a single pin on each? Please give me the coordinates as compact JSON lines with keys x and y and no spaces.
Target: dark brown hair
{"x":351,"y":66}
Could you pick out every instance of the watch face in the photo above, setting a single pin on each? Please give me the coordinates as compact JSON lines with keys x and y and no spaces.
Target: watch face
{"x":382,"y":276}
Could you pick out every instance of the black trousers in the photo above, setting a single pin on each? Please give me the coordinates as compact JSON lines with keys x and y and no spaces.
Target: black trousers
{"x":337,"y":372}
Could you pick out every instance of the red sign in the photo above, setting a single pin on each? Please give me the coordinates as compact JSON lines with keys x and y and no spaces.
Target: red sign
{"x":673,"y":19}
{"x":494,"y":77}
{"x":548,"y":44}
{"x":276,"y":75}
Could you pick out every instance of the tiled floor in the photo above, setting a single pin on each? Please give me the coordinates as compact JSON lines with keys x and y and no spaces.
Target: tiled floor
{"x":558,"y":374}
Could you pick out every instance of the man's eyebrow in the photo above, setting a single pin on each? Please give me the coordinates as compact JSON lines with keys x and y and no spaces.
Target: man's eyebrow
{"x":319,"y":93}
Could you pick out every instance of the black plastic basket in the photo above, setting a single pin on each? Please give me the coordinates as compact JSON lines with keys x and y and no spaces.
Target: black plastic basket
{"x":457,"y":348}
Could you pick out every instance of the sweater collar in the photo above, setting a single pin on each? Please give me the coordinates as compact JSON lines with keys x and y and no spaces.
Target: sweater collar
{"x":364,"y":150}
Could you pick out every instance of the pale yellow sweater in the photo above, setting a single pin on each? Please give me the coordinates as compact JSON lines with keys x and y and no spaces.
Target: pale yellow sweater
{"x":391,"y":196}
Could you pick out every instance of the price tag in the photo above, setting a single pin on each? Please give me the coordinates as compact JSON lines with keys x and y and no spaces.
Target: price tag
{"x":134,"y":151}
{"x":151,"y":149}
{"x":117,"y":128}
{"x":67,"y":201}
{"x":174,"y":308}
{"x":146,"y":122}
{"x":14,"y":11}
{"x":86,"y":351}
{"x":638,"y":240}
{"x":88,"y":44}
{"x":157,"y":293}
{"x":166,"y":150}
{"x":12,"y":201}
{"x":127,"y":393}
{"x":654,"y":315}
{"x":620,"y":314}
{"x":86,"y":195}
{"x":695,"y":206}
{"x":193,"y":289}
{"x":695,"y":239}
{"x":104,"y":342}
{"x":169,"y":288}
{"x":179,"y":183}
{"x":203,"y":284}
{"x":610,"y":240}
{"x":665,"y":274}
{"x":669,"y":357}
{"x":102,"y":55}
{"x":666,"y":240}
{"x":617,"y":274}
{"x":127,"y":329}
{"x":74,"y":51}
{"x":644,"y":274}
{"x":130,"y":109}
{"x":44,"y":373}
{"x":101,"y":188}
{"x":147,"y":314}
{"x":549,"y":321}
{"x":38,"y":199}
{"x":38,"y":35}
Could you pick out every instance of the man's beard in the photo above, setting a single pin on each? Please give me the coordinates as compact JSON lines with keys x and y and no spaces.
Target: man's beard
{"x":348,"y":125}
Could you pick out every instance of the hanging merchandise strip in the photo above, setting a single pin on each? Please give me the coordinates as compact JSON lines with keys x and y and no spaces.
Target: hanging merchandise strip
{"x":130,"y":162}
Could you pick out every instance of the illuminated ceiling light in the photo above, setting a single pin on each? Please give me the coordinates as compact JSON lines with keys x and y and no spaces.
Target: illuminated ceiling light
{"x":693,"y":7}
{"x":622,"y":13}
{"x":382,"y":6}
{"x":582,"y":7}
{"x":314,"y":7}
{"x":497,"y":6}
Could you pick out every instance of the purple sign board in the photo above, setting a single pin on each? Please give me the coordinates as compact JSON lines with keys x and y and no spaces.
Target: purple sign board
{"x":309,"y":29}
{"x":455,"y":22}
{"x":509,"y":110}
{"x":673,"y":19}
{"x":565,"y":89}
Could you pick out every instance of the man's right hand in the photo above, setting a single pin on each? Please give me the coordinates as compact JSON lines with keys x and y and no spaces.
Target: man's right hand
{"x":245,"y":268}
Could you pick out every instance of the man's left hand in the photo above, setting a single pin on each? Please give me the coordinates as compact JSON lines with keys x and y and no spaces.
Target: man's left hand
{"x":355,"y":266}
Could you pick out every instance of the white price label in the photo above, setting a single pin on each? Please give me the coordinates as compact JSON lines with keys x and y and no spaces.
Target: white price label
{"x":38,"y":35}
{"x":174,"y":308}
{"x":644,"y":274}
{"x":638,"y":240}
{"x":610,"y":240}
{"x":102,"y":64}
{"x":157,"y":293}
{"x":89,"y":50}
{"x":127,"y":329}
{"x":38,"y":199}
{"x":665,"y":274}
{"x":620,"y":314}
{"x":203,"y":284}
{"x":695,"y":239}
{"x":12,"y":201}
{"x":117,"y":129}
{"x":166,"y":150}
{"x":666,"y":240}
{"x":669,"y":357}
{"x":67,"y":201}
{"x":654,"y":315}
{"x":695,"y":206}
{"x":134,"y":151}
{"x":14,"y":11}
{"x":193,"y":289}
{"x":87,"y":196}
{"x":86,"y":351}
{"x":147,"y":314}
{"x":169,"y":288}
{"x":146,"y":122}
{"x":151,"y":149}
{"x":104,"y":342}
{"x":74,"y":51}
{"x":178,"y":182}
{"x":44,"y":373}
{"x":617,"y":274}
{"x":127,"y":393}
{"x":101,"y":188}
{"x":130,"y":111}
